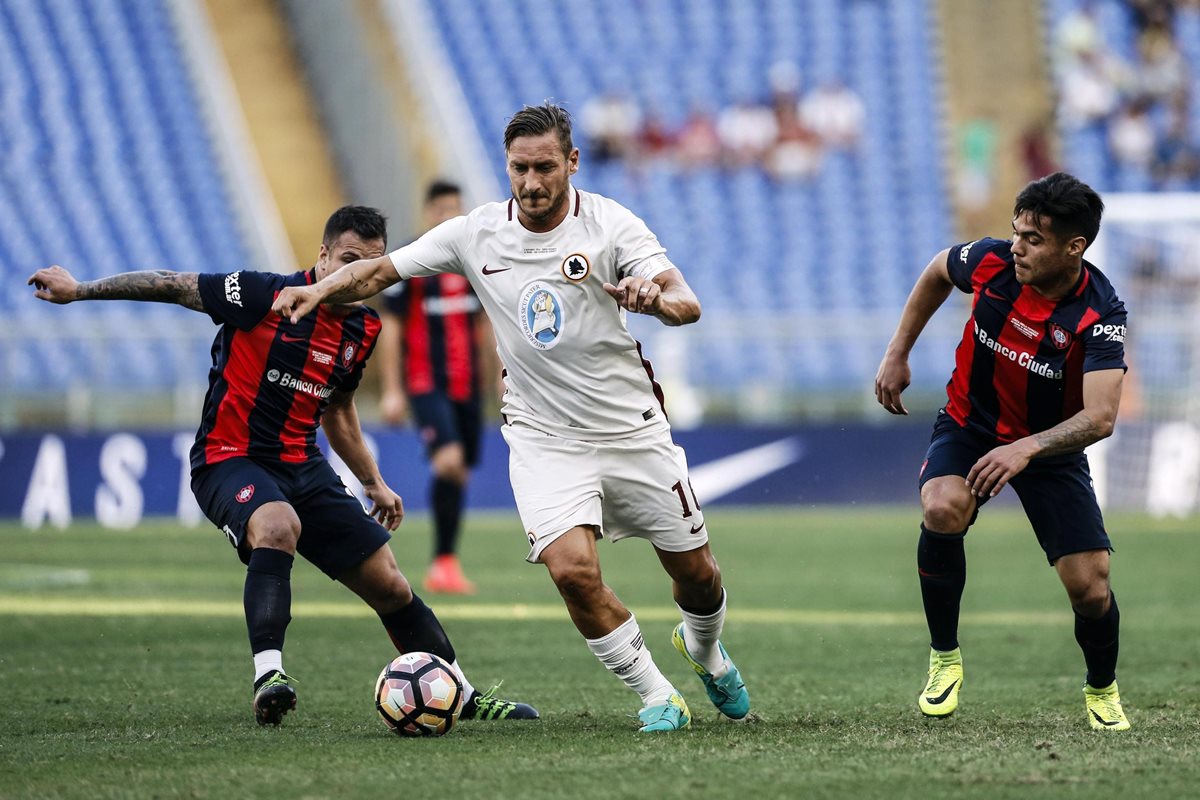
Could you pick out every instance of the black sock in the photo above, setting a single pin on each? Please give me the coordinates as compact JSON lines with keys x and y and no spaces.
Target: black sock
{"x":446,"y":498}
{"x":942,"y":567}
{"x":1099,"y":639}
{"x":267,"y":598}
{"x":414,"y":628}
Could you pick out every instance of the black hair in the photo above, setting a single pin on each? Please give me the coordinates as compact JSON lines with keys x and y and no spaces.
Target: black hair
{"x":440,"y":188}
{"x":537,"y":120}
{"x":1070,"y":207}
{"x":367,"y":223}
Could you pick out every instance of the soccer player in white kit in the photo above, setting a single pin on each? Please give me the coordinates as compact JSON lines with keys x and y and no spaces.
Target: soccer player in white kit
{"x":591,"y":452}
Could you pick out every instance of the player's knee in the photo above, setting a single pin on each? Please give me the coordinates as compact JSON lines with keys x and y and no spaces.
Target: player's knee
{"x":393,"y":595}
{"x":945,"y":513}
{"x":449,"y":464}
{"x":704,"y":577}
{"x":1089,"y":599}
{"x":577,"y":581}
{"x":278,"y":529}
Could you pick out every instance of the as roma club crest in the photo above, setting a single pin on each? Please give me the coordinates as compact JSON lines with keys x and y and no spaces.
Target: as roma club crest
{"x":576,"y":267}
{"x":1059,"y":336}
{"x":244,"y":494}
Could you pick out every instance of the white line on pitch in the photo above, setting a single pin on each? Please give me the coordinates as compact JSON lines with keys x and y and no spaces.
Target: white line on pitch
{"x":150,"y":607}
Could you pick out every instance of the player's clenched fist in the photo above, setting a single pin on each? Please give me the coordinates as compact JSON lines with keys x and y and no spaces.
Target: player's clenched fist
{"x":54,"y":284}
{"x":636,"y":294}
{"x":295,"y":302}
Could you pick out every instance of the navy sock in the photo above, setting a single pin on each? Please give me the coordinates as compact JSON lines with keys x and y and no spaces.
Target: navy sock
{"x":1099,"y":640}
{"x":267,"y":598}
{"x":446,"y":498}
{"x":415,"y":628}
{"x":942,"y":567}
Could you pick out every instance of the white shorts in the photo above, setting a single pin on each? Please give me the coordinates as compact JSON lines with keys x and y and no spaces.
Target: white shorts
{"x":637,"y":486}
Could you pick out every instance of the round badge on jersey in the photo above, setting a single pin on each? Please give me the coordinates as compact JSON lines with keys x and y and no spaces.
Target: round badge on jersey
{"x":576,"y":267}
{"x":540,"y":315}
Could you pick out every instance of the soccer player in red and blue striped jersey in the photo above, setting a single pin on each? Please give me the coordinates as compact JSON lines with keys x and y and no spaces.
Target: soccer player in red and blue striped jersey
{"x":434,"y":341}
{"x":256,"y":469}
{"x":1037,"y":378}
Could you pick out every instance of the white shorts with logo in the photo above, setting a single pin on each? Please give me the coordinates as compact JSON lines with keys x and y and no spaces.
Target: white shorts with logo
{"x":637,"y":486}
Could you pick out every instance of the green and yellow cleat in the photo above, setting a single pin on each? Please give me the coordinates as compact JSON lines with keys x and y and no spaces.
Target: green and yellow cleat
{"x":672,"y":715}
{"x":1104,"y":708}
{"x":728,"y":692}
{"x":485,"y":705}
{"x":273,"y":697}
{"x":940,"y":697}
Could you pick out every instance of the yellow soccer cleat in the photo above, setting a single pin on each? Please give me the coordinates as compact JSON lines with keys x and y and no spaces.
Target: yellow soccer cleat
{"x":940,"y":697}
{"x":1104,"y":708}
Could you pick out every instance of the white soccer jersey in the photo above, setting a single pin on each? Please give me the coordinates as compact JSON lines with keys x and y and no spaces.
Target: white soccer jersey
{"x":572,"y":368}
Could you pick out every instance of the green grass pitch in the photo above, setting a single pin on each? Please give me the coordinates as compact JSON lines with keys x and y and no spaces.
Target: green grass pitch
{"x":125,"y":671}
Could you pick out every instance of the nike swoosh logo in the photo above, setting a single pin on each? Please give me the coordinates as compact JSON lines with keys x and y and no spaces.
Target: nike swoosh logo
{"x":1103,"y":721}
{"x":992,"y":294}
{"x":941,"y":698}
{"x":698,"y":528}
{"x":728,"y":474}
{"x":287,"y":338}
{"x":487,"y":271}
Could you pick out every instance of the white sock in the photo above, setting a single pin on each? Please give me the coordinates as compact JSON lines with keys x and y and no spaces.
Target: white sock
{"x":700,"y":634}
{"x":266,"y":661}
{"x":468,"y":689}
{"x":625,"y":655}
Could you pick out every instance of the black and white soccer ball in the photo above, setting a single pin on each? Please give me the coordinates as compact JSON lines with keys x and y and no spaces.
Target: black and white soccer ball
{"x":419,"y":694}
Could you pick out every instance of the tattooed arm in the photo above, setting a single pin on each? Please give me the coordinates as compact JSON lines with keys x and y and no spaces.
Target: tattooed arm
{"x":1095,"y":421}
{"x":56,"y":285}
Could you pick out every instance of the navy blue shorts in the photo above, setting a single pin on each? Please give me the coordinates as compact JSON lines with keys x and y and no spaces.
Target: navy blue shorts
{"x":1055,"y":491}
{"x":442,"y":421}
{"x":336,"y":534}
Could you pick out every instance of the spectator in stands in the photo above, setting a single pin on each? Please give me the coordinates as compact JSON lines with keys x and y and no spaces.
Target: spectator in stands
{"x":1036,"y":152}
{"x":656,"y":142}
{"x":699,"y":145}
{"x":796,"y":152}
{"x":1160,"y":73}
{"x":611,"y":122}
{"x":1078,"y":33}
{"x":1090,"y":89}
{"x":1131,"y":136}
{"x":747,"y":130}
{"x":835,"y":112}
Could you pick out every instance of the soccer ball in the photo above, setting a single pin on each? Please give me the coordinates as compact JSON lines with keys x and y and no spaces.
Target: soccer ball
{"x":418,"y":694}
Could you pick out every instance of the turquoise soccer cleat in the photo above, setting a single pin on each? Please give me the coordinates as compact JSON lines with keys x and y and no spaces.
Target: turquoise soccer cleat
{"x":728,"y":693}
{"x":672,"y":715}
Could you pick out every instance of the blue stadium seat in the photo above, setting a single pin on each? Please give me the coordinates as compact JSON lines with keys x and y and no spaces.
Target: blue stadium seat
{"x":108,"y":167}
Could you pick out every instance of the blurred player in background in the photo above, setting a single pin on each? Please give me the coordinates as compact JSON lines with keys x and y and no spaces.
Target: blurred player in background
{"x":435,"y":339}
{"x":591,"y":453}
{"x":256,"y":469}
{"x":1037,"y":379}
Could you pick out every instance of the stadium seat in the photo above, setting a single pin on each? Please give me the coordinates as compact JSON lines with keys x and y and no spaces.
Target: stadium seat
{"x":108,"y":168}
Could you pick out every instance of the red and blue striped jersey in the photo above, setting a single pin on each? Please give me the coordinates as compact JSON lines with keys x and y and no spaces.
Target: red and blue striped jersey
{"x":1019,"y":367}
{"x":440,"y":351}
{"x":270,"y":381}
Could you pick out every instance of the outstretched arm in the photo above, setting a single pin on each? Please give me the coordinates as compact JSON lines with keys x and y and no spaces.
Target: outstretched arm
{"x":57,"y":285}
{"x":340,"y":423}
{"x":927,"y":296}
{"x":1095,"y":421}
{"x":666,"y":296}
{"x":356,"y":281}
